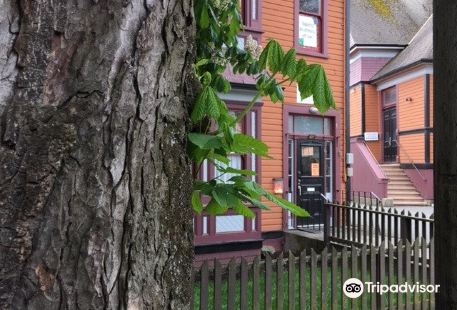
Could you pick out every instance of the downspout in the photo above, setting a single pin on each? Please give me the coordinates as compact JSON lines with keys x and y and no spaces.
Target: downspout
{"x":347,"y":34}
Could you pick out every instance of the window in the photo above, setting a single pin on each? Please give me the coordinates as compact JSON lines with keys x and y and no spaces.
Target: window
{"x":250,"y":14}
{"x":310,"y":125}
{"x":248,"y":127}
{"x":389,"y":96}
{"x":310,"y":26}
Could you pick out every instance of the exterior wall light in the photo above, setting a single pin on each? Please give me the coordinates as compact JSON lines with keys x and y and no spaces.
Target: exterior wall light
{"x":278,"y":186}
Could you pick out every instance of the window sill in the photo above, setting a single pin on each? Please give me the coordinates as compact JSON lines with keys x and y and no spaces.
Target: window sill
{"x":252,"y":30}
{"x":306,"y":52}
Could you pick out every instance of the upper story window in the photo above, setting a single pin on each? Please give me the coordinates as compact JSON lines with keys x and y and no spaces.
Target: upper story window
{"x":310,"y":29}
{"x":250,"y":14}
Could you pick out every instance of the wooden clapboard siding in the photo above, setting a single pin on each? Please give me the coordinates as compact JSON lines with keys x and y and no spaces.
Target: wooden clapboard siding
{"x":278,"y":23}
{"x":355,"y":99}
{"x":411,"y":113}
{"x":412,"y":146}
{"x":431,"y":148}
{"x":372,"y":118}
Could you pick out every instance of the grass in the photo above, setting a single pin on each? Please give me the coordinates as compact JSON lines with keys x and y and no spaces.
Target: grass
{"x":350,"y":304}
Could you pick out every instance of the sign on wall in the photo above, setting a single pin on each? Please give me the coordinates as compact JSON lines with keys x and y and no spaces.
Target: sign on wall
{"x":307,"y":31}
{"x":371,"y":136}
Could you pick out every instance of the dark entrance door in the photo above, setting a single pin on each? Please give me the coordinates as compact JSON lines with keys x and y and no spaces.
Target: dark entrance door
{"x":390,"y":135}
{"x":310,"y":182}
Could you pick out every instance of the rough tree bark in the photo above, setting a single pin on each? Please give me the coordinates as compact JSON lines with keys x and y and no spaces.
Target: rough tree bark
{"x":445,"y":148}
{"x":94,"y":178}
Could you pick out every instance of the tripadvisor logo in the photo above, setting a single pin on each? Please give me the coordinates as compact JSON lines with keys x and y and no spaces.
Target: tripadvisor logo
{"x":353,"y":288}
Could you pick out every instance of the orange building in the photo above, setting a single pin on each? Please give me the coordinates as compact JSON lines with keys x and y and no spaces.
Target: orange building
{"x":391,"y":101}
{"x":307,"y":148}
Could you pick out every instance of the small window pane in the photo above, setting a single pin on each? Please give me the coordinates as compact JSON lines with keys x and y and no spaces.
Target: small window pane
{"x":308,"y":31}
{"x":311,"y":6}
{"x":328,"y":127}
{"x":308,"y":125}
{"x":389,"y":96}
{"x":291,"y":124}
{"x":240,"y":41}
{"x":229,"y":223}
{"x":253,"y":9}
{"x":235,"y":161}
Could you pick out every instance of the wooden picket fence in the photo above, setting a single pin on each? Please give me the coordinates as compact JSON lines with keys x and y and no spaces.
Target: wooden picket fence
{"x":358,"y":224}
{"x":315,"y":280}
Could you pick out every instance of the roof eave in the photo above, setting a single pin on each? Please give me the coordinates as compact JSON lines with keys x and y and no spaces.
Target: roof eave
{"x":398,"y":70}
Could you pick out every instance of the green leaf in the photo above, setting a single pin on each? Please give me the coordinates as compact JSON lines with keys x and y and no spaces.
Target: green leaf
{"x":241,"y":209}
{"x":213,"y":104}
{"x":314,"y":82}
{"x":300,"y":69}
{"x":213,"y":208}
{"x":272,"y":57}
{"x":237,"y":171}
{"x":204,"y":17}
{"x":197,"y":154}
{"x":199,"y":110}
{"x":289,"y":65}
{"x":221,"y":84}
{"x":196,"y":202}
{"x":205,"y":142}
{"x":243,"y":144}
{"x":296,"y":210}
{"x":217,"y":157}
{"x":204,"y":187}
{"x":220,"y":194}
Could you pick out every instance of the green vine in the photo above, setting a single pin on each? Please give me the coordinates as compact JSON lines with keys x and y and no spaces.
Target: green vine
{"x":215,"y":138}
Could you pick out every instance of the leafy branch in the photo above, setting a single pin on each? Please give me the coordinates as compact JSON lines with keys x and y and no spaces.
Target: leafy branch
{"x":215,"y":136}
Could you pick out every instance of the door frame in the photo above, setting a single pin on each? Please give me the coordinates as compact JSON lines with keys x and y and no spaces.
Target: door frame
{"x":385,"y":106}
{"x":395,"y":132}
{"x":336,"y":138}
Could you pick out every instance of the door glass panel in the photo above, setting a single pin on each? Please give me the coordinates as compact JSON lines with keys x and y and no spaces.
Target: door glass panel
{"x":329,"y":170}
{"x":310,"y":161}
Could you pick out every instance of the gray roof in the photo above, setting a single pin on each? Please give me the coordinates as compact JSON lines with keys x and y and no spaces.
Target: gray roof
{"x":420,"y":49}
{"x":387,"y":22}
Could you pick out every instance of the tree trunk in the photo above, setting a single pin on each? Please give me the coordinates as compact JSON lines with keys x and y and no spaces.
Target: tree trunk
{"x":94,"y":177}
{"x":445,"y":145}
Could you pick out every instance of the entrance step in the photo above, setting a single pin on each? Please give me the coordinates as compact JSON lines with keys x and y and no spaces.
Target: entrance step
{"x":400,"y":188}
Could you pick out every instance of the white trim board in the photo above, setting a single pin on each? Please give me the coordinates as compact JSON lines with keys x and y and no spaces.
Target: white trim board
{"x":405,"y":76}
{"x":373,"y":54}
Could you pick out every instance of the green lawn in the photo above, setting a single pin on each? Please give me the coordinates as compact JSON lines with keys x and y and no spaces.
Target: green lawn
{"x":261,"y":301}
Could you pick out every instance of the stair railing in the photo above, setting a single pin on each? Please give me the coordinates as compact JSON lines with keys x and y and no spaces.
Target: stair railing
{"x":412,"y":162}
{"x":372,"y":155}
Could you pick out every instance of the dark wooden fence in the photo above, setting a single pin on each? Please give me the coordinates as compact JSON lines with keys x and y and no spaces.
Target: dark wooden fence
{"x":355,"y":224}
{"x":315,"y":280}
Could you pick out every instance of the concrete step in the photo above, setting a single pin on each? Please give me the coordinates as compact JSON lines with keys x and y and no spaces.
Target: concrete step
{"x":397,"y":190}
{"x":406,"y":203}
{"x":403,"y":187}
{"x":406,"y":198}
{"x":398,"y":181}
{"x":404,"y":194}
{"x":395,"y":174}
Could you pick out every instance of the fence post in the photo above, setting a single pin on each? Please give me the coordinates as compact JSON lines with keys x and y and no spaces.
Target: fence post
{"x":326,"y":224}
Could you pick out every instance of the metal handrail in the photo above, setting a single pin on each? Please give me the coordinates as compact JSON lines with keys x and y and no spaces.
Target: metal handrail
{"x":325,"y":198}
{"x":412,"y":162}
